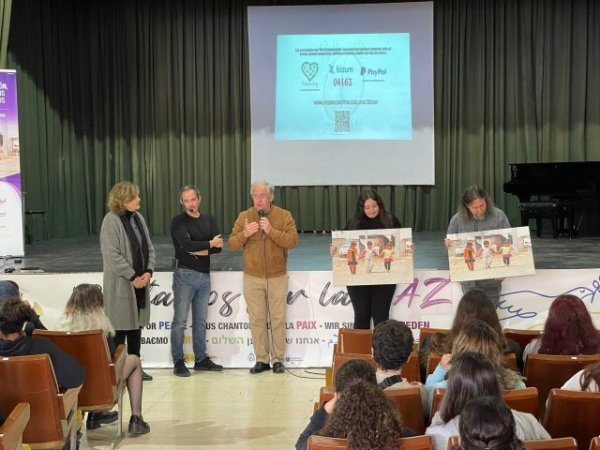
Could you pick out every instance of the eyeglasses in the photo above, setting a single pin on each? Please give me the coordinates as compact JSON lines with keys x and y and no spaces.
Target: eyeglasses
{"x":259,"y":196}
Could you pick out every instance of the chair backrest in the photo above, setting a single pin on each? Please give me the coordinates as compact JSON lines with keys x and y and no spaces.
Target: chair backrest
{"x":316,"y":442}
{"x":326,"y":443}
{"x":11,"y":431}
{"x":408,"y":401}
{"x":31,"y":379}
{"x":524,"y":400}
{"x":417,"y":443}
{"x":90,"y":349}
{"x":355,"y":341}
{"x":546,"y":372}
{"x":567,"y":443}
{"x":595,"y":444}
{"x":424,"y":332}
{"x":452,"y":442}
{"x":573,"y":413}
{"x":339,"y":359}
{"x":410,"y":369}
{"x":521,"y":337}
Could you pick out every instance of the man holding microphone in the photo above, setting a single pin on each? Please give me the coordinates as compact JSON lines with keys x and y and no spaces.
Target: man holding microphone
{"x":266,"y":233}
{"x":195,"y":237}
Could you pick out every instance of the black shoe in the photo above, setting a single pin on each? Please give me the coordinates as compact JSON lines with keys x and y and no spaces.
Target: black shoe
{"x":260,"y":367}
{"x":278,"y":367}
{"x":146,"y":376}
{"x":138,"y":426}
{"x":180,"y":370}
{"x":207,"y":364}
{"x":97,"y":418}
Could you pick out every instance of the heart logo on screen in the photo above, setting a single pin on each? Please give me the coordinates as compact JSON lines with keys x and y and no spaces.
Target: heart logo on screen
{"x":310,"y":70}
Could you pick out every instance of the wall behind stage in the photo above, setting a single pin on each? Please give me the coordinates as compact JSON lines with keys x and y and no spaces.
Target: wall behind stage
{"x":317,"y":309}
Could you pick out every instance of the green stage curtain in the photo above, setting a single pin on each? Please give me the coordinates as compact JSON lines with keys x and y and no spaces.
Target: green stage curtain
{"x":157,"y":92}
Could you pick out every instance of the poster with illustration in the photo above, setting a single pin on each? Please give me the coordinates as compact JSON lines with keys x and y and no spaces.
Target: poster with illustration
{"x":489,"y":254}
{"x":362,"y":257}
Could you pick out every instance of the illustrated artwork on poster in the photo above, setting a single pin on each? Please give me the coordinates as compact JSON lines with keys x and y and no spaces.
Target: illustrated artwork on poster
{"x":482,"y":255}
{"x":361,"y":257}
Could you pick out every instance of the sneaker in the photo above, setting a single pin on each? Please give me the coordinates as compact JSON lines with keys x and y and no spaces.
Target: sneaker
{"x":180,"y":370}
{"x":137,"y":425}
{"x":207,"y":364}
{"x":97,"y":418}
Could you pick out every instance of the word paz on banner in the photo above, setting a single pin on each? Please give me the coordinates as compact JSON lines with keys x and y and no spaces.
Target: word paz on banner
{"x":430,"y":299}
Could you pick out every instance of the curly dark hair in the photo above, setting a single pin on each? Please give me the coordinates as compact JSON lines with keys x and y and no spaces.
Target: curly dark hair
{"x":352,"y":372}
{"x":569,"y":329}
{"x":384,"y":217}
{"x":487,"y":423}
{"x":472,"y":375}
{"x":13,"y":315}
{"x":392,"y":344}
{"x":590,"y":373}
{"x":365,"y":417}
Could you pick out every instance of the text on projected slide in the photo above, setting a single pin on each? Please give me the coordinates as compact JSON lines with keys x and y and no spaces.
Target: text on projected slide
{"x":343,"y":86}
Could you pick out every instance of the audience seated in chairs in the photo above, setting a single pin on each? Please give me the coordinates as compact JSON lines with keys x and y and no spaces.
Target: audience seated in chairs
{"x":392,"y":346}
{"x":472,"y":375}
{"x":475,"y":336}
{"x":569,"y":330}
{"x":84,"y":311}
{"x":474,"y":304}
{"x":488,"y":424}
{"x":356,"y":371}
{"x":10,"y":289}
{"x":14,"y":314}
{"x":587,"y":379}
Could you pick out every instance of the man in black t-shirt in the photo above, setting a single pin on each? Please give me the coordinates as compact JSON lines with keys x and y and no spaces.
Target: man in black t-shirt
{"x":195,"y":238}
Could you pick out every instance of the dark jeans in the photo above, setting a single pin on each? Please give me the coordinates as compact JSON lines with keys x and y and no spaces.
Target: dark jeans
{"x":134,"y":340}
{"x":371,"y":302}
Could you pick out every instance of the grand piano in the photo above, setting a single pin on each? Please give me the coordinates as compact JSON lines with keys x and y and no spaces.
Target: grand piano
{"x":566,"y":192}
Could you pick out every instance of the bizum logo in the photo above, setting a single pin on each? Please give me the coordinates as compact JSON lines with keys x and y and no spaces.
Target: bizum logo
{"x":310,"y":69}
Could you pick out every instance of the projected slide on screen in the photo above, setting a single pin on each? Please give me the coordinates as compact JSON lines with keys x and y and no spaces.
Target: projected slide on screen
{"x":343,"y":86}
{"x":342,"y":94}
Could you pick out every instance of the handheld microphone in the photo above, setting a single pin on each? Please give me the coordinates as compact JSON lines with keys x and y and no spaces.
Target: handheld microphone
{"x":261,"y":213}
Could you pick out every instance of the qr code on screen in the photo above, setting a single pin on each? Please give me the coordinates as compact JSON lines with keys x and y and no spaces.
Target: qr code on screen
{"x":342,"y":121}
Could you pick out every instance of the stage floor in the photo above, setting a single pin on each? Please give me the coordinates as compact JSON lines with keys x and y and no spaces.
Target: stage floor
{"x":83,"y":254}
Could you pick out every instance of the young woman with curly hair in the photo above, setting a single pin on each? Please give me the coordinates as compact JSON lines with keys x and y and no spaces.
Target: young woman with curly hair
{"x":475,"y":304}
{"x":365,"y":417}
{"x":568,"y":330}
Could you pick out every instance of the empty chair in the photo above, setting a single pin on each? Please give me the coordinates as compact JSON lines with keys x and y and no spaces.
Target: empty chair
{"x":410,"y":370}
{"x":354,"y":341}
{"x":340,"y":359}
{"x":103,"y":387}
{"x":573,"y":413}
{"x":567,"y":443}
{"x":11,"y":431}
{"x":53,"y":416}
{"x":546,"y":372}
{"x":521,"y":337}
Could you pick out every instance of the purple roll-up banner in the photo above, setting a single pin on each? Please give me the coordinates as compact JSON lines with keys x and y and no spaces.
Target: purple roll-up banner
{"x":11,"y":205}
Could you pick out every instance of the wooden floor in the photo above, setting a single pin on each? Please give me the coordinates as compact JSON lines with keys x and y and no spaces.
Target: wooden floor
{"x":228,"y":410}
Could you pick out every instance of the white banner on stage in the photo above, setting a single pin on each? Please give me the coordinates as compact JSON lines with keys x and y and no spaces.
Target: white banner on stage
{"x":316,"y":309}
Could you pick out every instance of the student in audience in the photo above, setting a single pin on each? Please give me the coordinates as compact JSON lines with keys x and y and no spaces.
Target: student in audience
{"x":8,"y":289}
{"x":392,"y":344}
{"x":474,"y":304}
{"x":351,"y":373}
{"x":365,"y":417}
{"x":472,"y":376}
{"x":14,"y":314}
{"x":487,"y":424}
{"x":84,"y":311}
{"x":587,"y":379}
{"x":568,"y":330}
{"x":476,"y":336}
